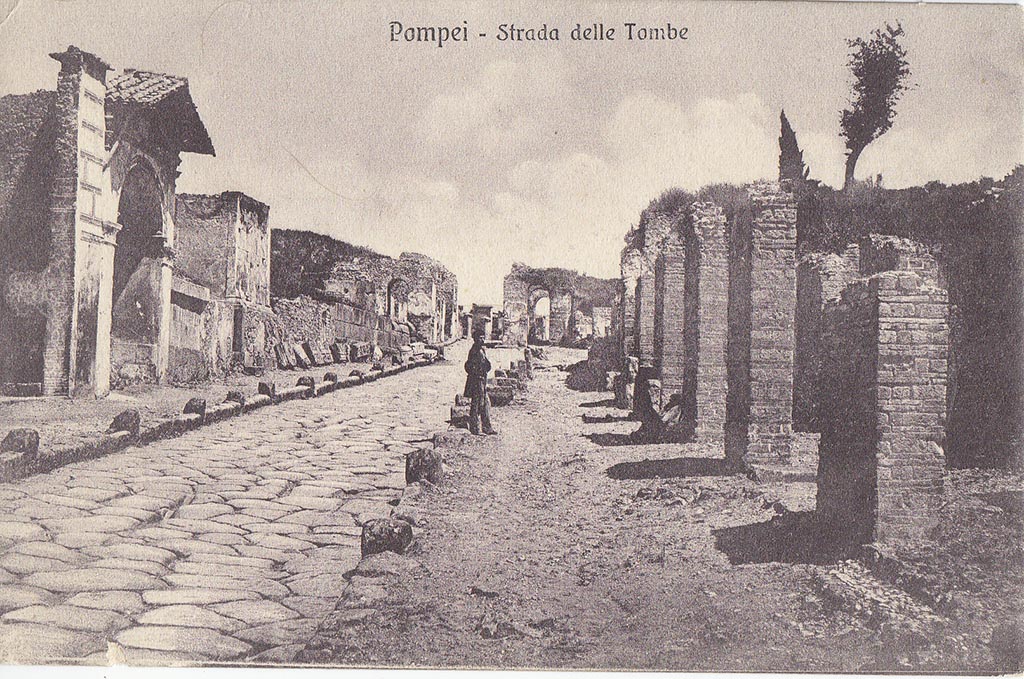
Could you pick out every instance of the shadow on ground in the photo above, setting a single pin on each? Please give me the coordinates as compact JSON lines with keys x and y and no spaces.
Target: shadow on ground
{"x":605,"y":419}
{"x":793,"y":537}
{"x":670,"y":468}
{"x":606,"y":403}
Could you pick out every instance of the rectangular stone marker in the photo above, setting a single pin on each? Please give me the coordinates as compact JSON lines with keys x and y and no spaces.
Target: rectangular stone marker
{"x":883,"y":410}
{"x":301,"y":359}
{"x":285,"y":358}
{"x":339,"y":352}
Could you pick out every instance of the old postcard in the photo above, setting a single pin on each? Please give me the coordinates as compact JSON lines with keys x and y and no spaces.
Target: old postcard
{"x":625,"y":336}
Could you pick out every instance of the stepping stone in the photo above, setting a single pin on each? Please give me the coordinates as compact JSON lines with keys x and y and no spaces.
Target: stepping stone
{"x":188,"y":615}
{"x":257,"y":612}
{"x":19,"y":596}
{"x":69,"y":617}
{"x":21,"y":530}
{"x":93,"y":579}
{"x":40,"y":644}
{"x":23,"y":564}
{"x":112,"y":600}
{"x":195,"y":595}
{"x":195,"y":641}
{"x":91,"y":524}
{"x":133,"y":552}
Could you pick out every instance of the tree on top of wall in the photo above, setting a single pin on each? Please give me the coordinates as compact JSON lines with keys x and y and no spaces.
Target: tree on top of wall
{"x":881,"y":74}
{"x":791,"y":158}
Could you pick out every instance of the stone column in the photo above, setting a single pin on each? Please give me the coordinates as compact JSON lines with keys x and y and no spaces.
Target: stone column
{"x":880,"y":463}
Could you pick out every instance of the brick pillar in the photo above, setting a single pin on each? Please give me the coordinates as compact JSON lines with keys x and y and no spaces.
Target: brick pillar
{"x":645,"y":315}
{"x":820,"y":279}
{"x":762,"y":304}
{"x":670,"y":293}
{"x":561,"y":315}
{"x":880,"y":468}
{"x":712,"y":292}
{"x":630,"y":267}
{"x":517,"y":314}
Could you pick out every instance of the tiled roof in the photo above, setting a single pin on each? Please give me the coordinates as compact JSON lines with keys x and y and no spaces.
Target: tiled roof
{"x":177,"y":114}
{"x":143,"y":87}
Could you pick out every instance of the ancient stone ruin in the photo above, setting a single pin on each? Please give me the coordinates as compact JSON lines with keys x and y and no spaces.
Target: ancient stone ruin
{"x":108,"y":278}
{"x":555,"y":306}
{"x":87,"y":218}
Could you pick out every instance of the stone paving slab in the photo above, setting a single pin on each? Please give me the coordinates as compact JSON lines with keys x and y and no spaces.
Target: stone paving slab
{"x":227,"y":544}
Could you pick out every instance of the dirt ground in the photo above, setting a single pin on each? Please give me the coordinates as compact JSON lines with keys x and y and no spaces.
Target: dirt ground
{"x":556,"y":544}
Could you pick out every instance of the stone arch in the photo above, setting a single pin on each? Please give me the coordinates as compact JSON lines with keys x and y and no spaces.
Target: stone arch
{"x":538,"y":309}
{"x":136,"y":293}
{"x":397,"y":299}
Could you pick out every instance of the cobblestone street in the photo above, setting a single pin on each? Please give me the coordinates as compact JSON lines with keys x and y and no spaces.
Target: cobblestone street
{"x":228,"y":543}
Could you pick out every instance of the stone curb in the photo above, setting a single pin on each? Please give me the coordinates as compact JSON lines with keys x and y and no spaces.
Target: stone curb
{"x":15,"y":466}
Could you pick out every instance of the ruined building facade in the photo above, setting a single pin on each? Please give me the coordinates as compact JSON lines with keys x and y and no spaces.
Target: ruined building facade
{"x":87,"y":226}
{"x":329,"y":289}
{"x":556,"y":306}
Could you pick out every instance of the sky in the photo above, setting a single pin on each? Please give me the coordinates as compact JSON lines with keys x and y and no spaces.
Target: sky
{"x":481,"y":153}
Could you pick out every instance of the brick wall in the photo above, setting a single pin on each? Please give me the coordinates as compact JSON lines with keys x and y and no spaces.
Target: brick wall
{"x":762,"y":290}
{"x":885,"y":369}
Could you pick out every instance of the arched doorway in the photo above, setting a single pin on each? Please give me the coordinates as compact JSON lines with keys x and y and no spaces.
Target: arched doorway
{"x":136,"y":292}
{"x":539,"y":310}
{"x":397,"y":299}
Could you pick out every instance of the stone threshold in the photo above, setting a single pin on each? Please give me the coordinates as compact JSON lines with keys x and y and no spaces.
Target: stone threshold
{"x":19,"y":465}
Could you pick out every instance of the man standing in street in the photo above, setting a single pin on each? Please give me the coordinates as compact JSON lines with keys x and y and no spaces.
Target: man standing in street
{"x":477,"y":367}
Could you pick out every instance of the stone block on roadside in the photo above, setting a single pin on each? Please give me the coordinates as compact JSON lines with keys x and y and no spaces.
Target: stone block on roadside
{"x":461,"y":400}
{"x":309,"y":383}
{"x":424,"y":463}
{"x":453,"y":438}
{"x":339,"y":351}
{"x":330,"y":377}
{"x":459,"y":417}
{"x":386,"y":563}
{"x":21,"y":441}
{"x":284,"y":357}
{"x":195,"y":406}
{"x":268,"y":389}
{"x":301,"y":359}
{"x":127,"y":420}
{"x":235,"y":396}
{"x":385,"y":535}
{"x":501,"y":396}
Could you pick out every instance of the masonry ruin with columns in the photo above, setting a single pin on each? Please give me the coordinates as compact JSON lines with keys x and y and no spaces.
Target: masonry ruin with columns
{"x":578,"y":307}
{"x":87,"y":202}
